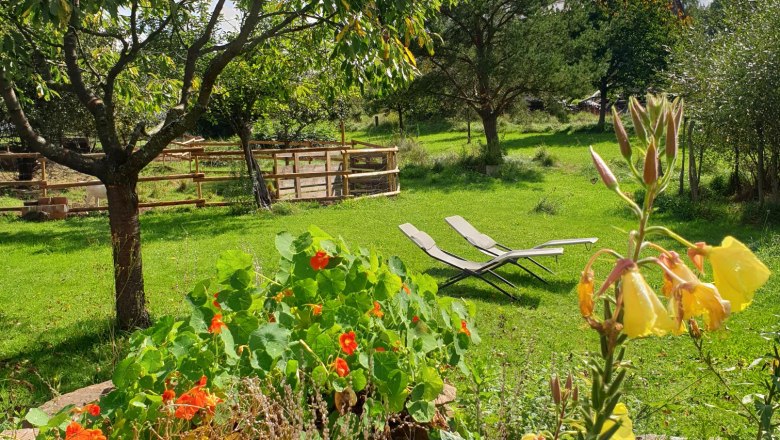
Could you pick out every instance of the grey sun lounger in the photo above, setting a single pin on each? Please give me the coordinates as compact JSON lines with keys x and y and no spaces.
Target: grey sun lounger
{"x":470,"y":268}
{"x":492,"y":248}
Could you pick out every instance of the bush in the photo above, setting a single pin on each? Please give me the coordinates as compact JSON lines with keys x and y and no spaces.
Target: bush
{"x":546,"y":205}
{"x":544,"y":158}
{"x":411,"y":152}
{"x":363,"y":334}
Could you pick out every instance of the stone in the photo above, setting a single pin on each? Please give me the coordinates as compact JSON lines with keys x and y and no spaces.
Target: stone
{"x":78,"y":398}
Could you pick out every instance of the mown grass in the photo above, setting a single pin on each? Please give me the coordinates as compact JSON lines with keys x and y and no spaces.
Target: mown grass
{"x":56,"y":285}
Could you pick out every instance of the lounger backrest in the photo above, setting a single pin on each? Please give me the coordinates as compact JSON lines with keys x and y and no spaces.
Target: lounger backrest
{"x":419,"y":237}
{"x":470,"y":233}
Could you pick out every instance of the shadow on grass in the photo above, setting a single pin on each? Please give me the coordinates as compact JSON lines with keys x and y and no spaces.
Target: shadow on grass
{"x":79,"y":233}
{"x":34,"y":377}
{"x":561,"y":139}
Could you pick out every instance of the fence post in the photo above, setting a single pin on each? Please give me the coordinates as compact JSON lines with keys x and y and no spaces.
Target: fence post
{"x":345,"y":179}
{"x":296,"y":170}
{"x":276,"y":172}
{"x":198,"y":184}
{"x":43,"y":176}
{"x":328,"y":183}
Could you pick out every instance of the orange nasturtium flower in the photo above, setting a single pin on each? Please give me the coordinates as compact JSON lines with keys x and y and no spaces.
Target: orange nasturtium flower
{"x":695,"y":298}
{"x":377,"y":310}
{"x":348,"y":343}
{"x":75,"y":431}
{"x":168,"y":395}
{"x":194,"y":400}
{"x":92,"y":409}
{"x":738,"y":273}
{"x":406,"y":289}
{"x":216,"y":324}
{"x":585,"y":293}
{"x":643,"y":313}
{"x":464,"y":328}
{"x":320,"y":260}
{"x":215,"y":303}
{"x":316,"y":309}
{"x":415,"y":319}
{"x":380,"y":349}
{"x":341,"y":367}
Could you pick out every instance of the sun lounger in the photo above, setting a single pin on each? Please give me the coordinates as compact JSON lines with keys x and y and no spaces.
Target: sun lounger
{"x":470,"y":268}
{"x":492,"y":248}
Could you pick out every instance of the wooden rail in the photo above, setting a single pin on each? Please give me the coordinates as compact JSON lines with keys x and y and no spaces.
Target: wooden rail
{"x":300,"y":171}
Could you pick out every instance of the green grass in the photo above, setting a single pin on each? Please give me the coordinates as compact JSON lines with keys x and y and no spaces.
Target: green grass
{"x":56,"y":284}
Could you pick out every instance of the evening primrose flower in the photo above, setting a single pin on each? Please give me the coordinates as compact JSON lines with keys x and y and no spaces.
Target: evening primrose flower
{"x":620,"y":415}
{"x":585,"y":293}
{"x":643,"y":313}
{"x":694,"y":297}
{"x":738,"y":273}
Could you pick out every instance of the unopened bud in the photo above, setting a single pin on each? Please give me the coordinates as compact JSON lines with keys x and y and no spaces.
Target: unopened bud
{"x":622,"y":136}
{"x":575,"y":395}
{"x":555,"y":390}
{"x":671,"y":135}
{"x":606,"y":174}
{"x":678,"y":116}
{"x":660,"y":125}
{"x":568,"y":382}
{"x":651,"y":165}
{"x":637,"y":116}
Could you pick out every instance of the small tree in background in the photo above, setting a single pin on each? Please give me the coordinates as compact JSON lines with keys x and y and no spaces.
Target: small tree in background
{"x":145,"y":72}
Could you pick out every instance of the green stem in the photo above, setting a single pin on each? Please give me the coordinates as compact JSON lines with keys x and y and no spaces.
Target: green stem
{"x":669,"y":233}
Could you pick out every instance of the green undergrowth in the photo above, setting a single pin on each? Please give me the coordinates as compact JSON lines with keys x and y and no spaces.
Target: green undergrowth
{"x":56,"y":284}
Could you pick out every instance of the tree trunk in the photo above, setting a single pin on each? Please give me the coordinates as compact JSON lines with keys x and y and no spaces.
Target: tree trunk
{"x":493,"y":154}
{"x":693,"y":178}
{"x":259,"y":187}
{"x":126,"y":243}
{"x":736,"y":181}
{"x":761,"y":172}
{"x":401,"y":127}
{"x":681,"y":188}
{"x":603,"y":102}
{"x":468,"y":130}
{"x":774,"y":177}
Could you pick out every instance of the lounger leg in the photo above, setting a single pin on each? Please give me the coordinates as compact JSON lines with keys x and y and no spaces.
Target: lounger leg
{"x":540,"y":265}
{"x":496,"y":286}
{"x":530,"y":272}
{"x":503,"y":279}
{"x":452,"y":280}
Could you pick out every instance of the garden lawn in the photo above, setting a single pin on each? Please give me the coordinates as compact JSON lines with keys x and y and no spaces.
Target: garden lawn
{"x":57,"y":298}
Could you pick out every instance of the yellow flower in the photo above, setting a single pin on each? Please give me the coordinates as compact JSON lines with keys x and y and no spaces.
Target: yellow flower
{"x":695,"y":298}
{"x":737,"y":271}
{"x":620,"y":415}
{"x":532,"y":437}
{"x":643,"y":313}
{"x":585,"y":293}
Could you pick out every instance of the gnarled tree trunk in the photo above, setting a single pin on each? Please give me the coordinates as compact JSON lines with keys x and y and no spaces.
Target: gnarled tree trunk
{"x":493,"y":154}
{"x":259,"y":187}
{"x":126,"y":245}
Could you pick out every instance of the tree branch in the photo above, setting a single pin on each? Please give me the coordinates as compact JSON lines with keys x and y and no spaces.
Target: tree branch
{"x":37,"y":143}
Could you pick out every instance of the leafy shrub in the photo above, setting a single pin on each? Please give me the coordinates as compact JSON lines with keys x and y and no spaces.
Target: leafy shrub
{"x":546,"y":205}
{"x":411,"y":152}
{"x":544,"y":158}
{"x":364,"y":334}
{"x":515,"y":169}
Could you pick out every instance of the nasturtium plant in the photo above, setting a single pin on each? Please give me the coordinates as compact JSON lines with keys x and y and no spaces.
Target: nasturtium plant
{"x":350,"y":326}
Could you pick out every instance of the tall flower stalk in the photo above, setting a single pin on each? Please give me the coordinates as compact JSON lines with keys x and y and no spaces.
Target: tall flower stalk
{"x":630,"y":306}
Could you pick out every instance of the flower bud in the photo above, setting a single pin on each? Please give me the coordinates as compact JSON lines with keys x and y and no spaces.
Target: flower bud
{"x":637,"y":116}
{"x":555,"y":390}
{"x":622,"y":136}
{"x":606,"y":174}
{"x":651,"y":165}
{"x":671,"y":135}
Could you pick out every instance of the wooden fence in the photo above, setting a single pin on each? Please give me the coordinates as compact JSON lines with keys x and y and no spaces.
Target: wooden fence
{"x":300,"y":171}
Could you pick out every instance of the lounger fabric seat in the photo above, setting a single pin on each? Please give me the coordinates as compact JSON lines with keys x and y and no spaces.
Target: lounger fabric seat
{"x":470,"y":268}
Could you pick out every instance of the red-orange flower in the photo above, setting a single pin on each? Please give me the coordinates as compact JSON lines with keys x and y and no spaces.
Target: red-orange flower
{"x":92,"y":409}
{"x":464,"y":328}
{"x":380,"y":349}
{"x":377,"y":310}
{"x":341,"y":367}
{"x":415,"y":319}
{"x":216,"y":301}
{"x":406,"y":289}
{"x":168,"y":396}
{"x":316,"y":309}
{"x":288,"y":293}
{"x":75,"y":431}
{"x":320,"y":260}
{"x":348,"y":343}
{"x":216,"y":324}
{"x":194,"y":400}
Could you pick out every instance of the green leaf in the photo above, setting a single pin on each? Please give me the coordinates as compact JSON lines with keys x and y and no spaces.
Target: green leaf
{"x":421,"y":411}
{"x":37,"y":417}
{"x":230,"y":262}
{"x":359,"y":380}
{"x":238,"y":300}
{"x":331,"y":282}
{"x":230,"y":346}
{"x":242,"y":325}
{"x":125,"y":373}
{"x":432,"y":382}
{"x":396,"y":266}
{"x":319,"y":375}
{"x":271,"y":339}
{"x":388,"y":284}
